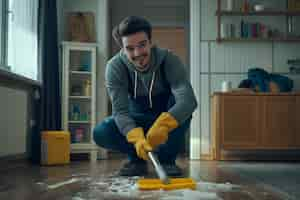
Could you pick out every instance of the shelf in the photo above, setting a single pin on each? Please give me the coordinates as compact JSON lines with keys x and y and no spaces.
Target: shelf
{"x":80,"y":144}
{"x":258,"y":39}
{"x":79,"y":122}
{"x":83,"y":146}
{"x":79,"y":86}
{"x":80,"y":72}
{"x":285,"y":12}
{"x":80,"y":97}
{"x":257,"y":13}
{"x":79,"y":44}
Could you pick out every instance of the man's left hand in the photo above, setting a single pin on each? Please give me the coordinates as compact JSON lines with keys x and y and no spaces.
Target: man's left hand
{"x":159,"y":132}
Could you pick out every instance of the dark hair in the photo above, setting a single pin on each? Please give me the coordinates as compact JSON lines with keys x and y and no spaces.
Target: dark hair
{"x":131,"y":25}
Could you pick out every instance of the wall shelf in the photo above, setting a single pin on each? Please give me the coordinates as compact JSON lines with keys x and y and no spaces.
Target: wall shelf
{"x":258,"y":39}
{"x":260,"y":13}
{"x":272,"y":13}
{"x":79,"y":122}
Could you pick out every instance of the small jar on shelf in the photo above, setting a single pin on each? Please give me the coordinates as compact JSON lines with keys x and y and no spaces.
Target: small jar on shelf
{"x":229,"y":5}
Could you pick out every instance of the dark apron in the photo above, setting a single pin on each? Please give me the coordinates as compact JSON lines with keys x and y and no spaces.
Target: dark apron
{"x":139,"y":107}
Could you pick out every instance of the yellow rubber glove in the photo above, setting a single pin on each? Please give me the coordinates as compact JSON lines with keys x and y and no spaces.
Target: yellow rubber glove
{"x":159,"y":132}
{"x":136,"y":137}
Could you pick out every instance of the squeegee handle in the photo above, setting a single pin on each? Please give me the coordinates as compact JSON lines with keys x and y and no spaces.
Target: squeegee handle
{"x":158,"y":168}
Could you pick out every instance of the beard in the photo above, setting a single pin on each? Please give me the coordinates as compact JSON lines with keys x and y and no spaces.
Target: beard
{"x":139,"y":61}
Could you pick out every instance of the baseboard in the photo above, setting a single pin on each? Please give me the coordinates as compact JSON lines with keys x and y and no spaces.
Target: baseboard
{"x":13,"y":161}
{"x":115,"y":155}
{"x":22,"y":156}
{"x":261,"y":155}
{"x":206,"y":157}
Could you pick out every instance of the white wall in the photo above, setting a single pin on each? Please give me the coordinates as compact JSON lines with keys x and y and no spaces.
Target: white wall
{"x":1,"y":32}
{"x":159,"y":13}
{"x":13,"y":121}
{"x":195,"y":60}
{"x":230,"y":61}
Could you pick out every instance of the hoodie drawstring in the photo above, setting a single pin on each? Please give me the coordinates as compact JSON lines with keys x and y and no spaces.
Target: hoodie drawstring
{"x":151,"y":86}
{"x":135,"y":83}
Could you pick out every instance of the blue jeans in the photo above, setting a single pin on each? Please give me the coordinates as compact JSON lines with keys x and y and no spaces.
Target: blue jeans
{"x":108,"y":136}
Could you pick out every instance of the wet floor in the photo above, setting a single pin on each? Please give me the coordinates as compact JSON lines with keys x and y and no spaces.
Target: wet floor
{"x":83,"y":180}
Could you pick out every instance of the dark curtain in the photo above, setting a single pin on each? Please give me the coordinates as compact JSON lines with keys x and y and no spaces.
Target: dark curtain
{"x":48,"y":104}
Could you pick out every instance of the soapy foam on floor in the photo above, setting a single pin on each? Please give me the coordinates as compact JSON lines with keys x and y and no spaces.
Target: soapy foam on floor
{"x":122,"y":188}
{"x":57,"y":185}
{"x":215,"y":187}
{"x":126,"y":188}
{"x":187,"y":194}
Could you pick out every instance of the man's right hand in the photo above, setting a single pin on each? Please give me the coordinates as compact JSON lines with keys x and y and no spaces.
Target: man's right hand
{"x":136,"y":137}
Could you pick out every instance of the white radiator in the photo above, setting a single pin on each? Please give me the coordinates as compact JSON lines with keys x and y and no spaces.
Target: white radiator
{"x":13,"y":121}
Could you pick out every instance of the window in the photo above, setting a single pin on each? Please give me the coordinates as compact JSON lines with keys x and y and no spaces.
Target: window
{"x":2,"y":33}
{"x":19,"y":46}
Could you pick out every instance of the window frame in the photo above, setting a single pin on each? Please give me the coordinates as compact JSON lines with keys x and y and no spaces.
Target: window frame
{"x":5,"y":71}
{"x":4,"y":34}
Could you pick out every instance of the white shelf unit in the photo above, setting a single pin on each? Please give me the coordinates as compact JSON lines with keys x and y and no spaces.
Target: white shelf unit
{"x":79,"y":95}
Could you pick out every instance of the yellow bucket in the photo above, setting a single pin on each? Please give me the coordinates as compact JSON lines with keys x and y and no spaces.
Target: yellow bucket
{"x":55,"y":147}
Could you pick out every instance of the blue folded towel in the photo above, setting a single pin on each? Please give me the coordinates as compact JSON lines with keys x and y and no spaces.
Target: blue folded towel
{"x":261,"y":78}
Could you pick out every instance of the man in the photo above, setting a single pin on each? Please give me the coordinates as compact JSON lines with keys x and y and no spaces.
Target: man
{"x":152,"y":100}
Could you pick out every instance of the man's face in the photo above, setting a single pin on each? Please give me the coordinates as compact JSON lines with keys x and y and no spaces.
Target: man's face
{"x":137,"y":48}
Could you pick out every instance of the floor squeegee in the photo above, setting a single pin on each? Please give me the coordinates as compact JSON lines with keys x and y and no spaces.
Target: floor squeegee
{"x":164,"y":182}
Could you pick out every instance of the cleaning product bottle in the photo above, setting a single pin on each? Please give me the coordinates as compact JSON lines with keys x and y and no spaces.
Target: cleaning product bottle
{"x":79,"y":133}
{"x":76,"y":112}
{"x":87,"y":88}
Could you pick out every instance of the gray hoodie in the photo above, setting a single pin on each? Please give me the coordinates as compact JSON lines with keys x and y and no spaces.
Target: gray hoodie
{"x":149,"y":83}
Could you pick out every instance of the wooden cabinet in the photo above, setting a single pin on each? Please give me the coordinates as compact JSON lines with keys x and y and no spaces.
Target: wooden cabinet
{"x":236,"y":131}
{"x":278,"y":121}
{"x":297,"y":132}
{"x":255,"y":122}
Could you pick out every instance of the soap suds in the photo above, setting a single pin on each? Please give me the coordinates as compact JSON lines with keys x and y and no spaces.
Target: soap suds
{"x":57,"y":185}
{"x":122,"y":188}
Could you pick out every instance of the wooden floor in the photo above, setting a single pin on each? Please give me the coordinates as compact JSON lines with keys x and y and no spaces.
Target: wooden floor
{"x":83,"y":180}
